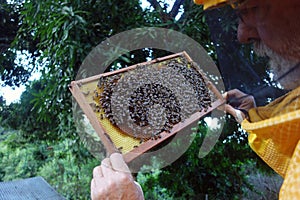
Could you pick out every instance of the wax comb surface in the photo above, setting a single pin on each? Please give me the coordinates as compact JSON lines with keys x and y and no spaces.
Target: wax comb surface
{"x":136,"y":108}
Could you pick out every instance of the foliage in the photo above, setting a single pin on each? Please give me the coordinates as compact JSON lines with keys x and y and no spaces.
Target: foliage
{"x":11,"y":72}
{"x":22,"y":162}
{"x":222,"y":174}
{"x":56,"y":162}
{"x":69,"y":175}
{"x":152,"y":188}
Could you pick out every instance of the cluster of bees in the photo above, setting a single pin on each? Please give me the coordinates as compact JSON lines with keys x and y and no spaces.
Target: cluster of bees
{"x":196,"y":80}
{"x":103,"y":96}
{"x":141,"y":97}
{"x":145,"y":97}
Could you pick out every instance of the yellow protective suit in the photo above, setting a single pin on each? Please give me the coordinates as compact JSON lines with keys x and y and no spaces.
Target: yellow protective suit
{"x":274,"y":131}
{"x":274,"y":134}
{"x":209,"y":3}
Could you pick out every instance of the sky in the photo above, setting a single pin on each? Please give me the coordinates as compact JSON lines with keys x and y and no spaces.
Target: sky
{"x":13,"y":94}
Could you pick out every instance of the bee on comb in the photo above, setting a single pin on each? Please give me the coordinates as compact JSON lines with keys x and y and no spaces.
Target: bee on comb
{"x":153,"y":98}
{"x":136,"y":108}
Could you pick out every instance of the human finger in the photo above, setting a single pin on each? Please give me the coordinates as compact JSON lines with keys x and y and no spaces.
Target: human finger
{"x":94,"y":191}
{"x":98,"y":188}
{"x":97,"y":173}
{"x":225,"y":96}
{"x":106,"y":162}
{"x":107,"y":169}
{"x":229,"y":109}
{"x":239,"y":100}
{"x":237,"y":114}
{"x":118,"y":163}
{"x":235,"y":97}
{"x":235,"y":93}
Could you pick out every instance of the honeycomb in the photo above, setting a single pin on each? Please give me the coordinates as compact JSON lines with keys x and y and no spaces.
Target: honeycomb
{"x":137,"y":105}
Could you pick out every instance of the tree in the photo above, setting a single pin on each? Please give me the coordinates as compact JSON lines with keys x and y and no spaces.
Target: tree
{"x":11,"y":72}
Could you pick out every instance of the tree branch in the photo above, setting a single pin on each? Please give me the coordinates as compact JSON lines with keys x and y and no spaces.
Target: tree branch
{"x":163,"y":15}
{"x":155,"y":5}
{"x":175,"y":8}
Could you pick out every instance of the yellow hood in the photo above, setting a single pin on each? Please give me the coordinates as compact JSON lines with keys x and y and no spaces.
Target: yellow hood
{"x":210,"y":3}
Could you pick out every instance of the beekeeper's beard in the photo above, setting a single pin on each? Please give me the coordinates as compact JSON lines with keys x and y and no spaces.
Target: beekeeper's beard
{"x":279,"y":66}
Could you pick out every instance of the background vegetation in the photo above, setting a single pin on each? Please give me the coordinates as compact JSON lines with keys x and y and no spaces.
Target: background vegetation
{"x":38,"y":136}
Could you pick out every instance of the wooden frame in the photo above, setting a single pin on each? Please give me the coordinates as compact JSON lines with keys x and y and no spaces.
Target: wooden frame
{"x":75,"y":88}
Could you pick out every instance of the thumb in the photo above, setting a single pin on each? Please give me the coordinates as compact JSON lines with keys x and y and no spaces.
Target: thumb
{"x":237,"y":114}
{"x":118,"y":163}
{"x":229,"y":109}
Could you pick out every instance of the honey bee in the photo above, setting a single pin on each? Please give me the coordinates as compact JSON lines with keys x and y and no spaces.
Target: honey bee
{"x":120,"y":149}
{"x":147,"y":94}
